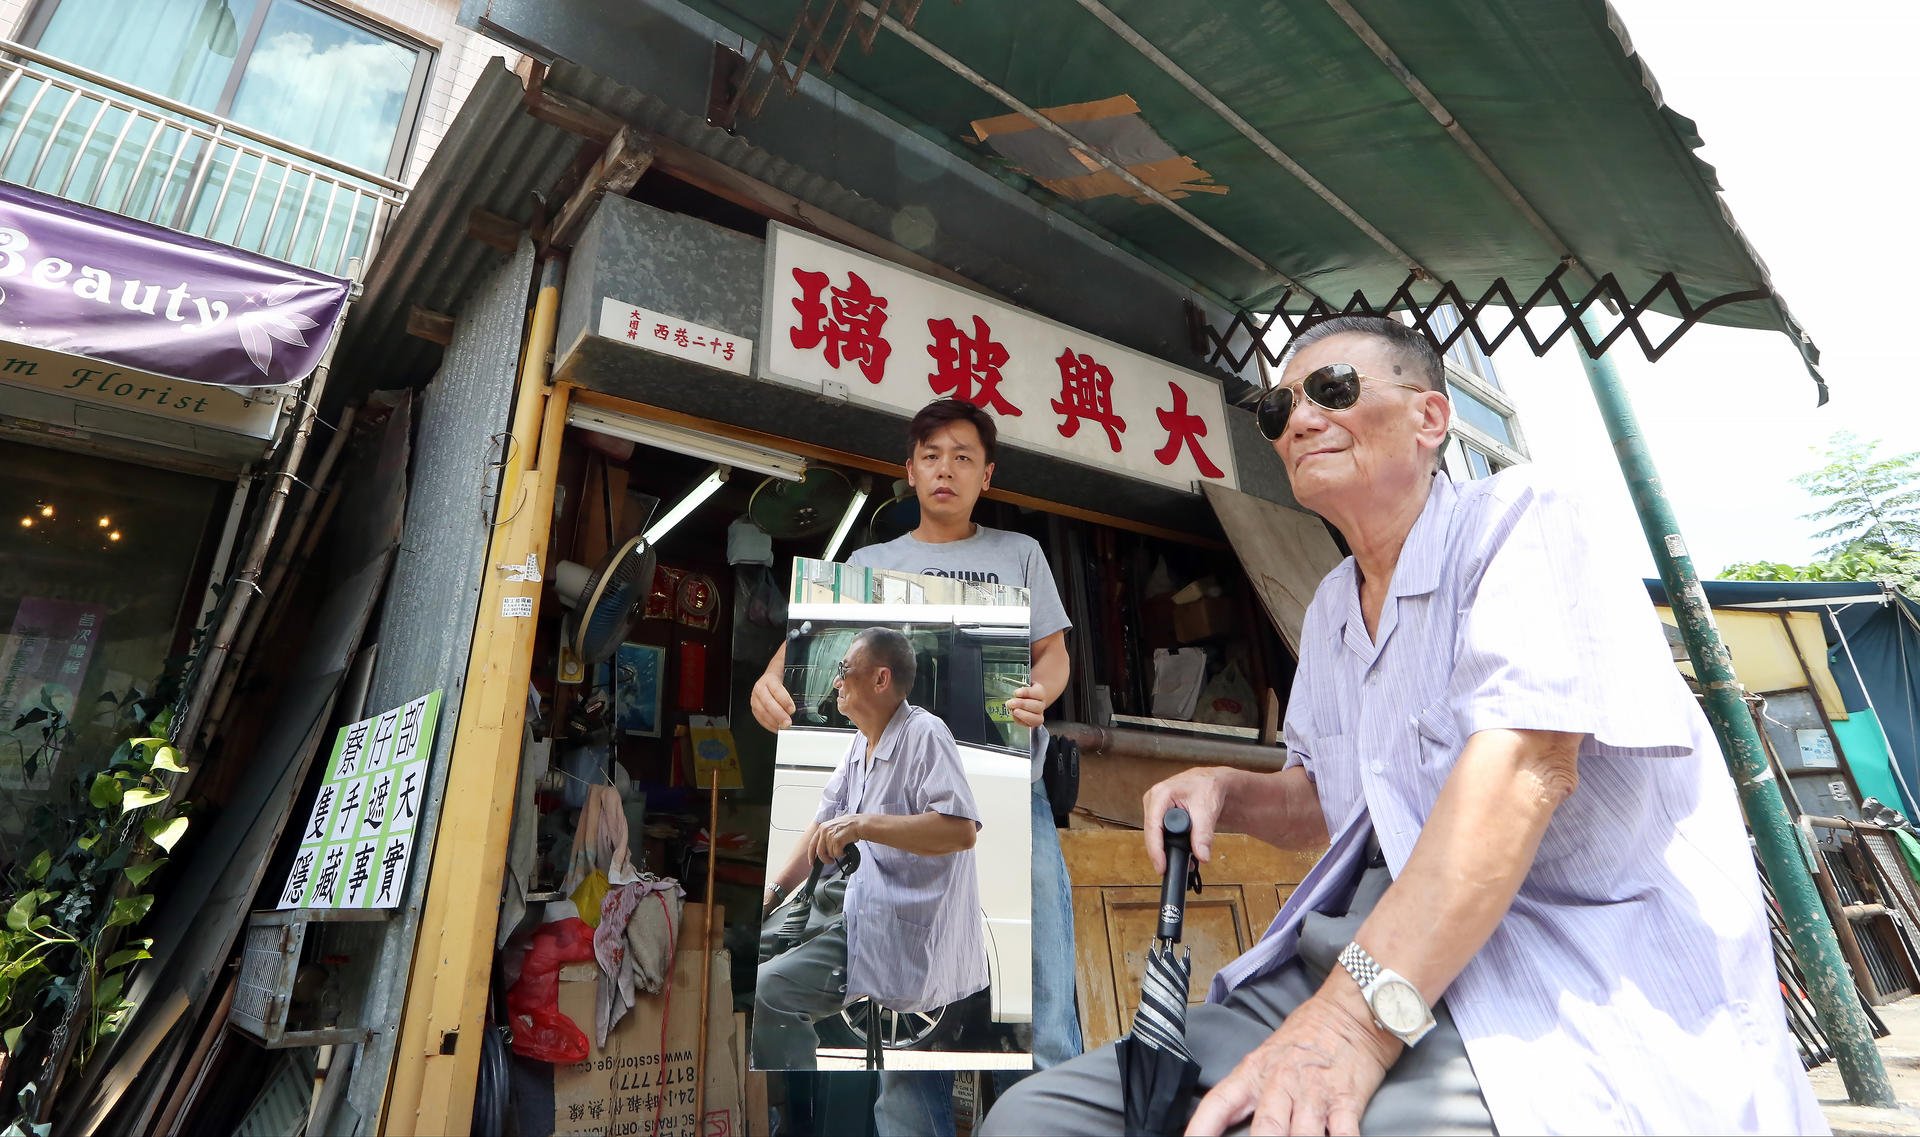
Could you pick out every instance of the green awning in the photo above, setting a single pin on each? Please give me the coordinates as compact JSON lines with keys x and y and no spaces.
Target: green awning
{"x":1373,"y":153}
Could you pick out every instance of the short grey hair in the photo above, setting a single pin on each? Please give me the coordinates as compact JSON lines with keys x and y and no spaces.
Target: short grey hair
{"x":885,"y":647}
{"x":1416,"y":359}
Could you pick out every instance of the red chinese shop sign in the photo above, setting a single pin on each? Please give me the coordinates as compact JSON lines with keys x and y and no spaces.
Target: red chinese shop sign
{"x":851,"y":326}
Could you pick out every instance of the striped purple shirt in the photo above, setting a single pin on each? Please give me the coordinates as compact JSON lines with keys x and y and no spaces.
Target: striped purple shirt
{"x":1630,"y":988}
{"x":916,"y":939}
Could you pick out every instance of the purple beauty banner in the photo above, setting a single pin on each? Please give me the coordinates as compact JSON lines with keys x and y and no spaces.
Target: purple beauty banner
{"x":86,"y":282}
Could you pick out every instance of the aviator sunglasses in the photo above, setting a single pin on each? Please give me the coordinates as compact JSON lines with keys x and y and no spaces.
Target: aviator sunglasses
{"x":1335,"y":387}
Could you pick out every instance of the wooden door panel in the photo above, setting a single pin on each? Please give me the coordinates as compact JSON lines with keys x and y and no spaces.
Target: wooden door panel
{"x":1116,"y":900}
{"x":1215,"y":933}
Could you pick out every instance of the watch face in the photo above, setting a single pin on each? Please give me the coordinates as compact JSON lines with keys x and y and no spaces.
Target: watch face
{"x":1399,"y":1006}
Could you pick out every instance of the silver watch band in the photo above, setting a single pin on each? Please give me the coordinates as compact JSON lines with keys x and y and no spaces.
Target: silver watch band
{"x":1359,"y":964}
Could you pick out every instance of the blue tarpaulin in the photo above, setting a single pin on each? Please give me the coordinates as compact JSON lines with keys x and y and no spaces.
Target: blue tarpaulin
{"x":1873,"y":650}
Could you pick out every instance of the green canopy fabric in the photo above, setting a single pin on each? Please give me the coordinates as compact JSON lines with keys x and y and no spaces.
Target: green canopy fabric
{"x":1561,"y":145}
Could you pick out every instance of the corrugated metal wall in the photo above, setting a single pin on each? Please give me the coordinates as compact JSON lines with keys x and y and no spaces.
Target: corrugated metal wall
{"x":426,"y":627}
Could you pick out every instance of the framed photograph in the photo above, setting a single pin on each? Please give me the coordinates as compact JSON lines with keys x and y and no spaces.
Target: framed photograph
{"x":639,"y":676}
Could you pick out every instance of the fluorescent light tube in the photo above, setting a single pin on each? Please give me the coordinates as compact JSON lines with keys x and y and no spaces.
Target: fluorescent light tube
{"x":846,"y":522}
{"x":715,"y":478}
{"x":693,"y":443}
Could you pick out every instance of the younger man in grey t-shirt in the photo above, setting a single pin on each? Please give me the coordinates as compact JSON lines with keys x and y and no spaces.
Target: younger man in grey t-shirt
{"x":990,"y":556}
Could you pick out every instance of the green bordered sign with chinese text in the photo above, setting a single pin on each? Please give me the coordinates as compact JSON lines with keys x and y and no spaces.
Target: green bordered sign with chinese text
{"x":358,"y":840}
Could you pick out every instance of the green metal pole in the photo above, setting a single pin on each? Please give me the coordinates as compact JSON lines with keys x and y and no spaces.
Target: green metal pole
{"x":1835,"y":1002}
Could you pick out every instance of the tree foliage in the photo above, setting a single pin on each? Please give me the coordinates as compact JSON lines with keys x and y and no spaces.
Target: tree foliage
{"x":85,"y":880}
{"x":1869,"y":501}
{"x":1902,"y":570}
{"x":1870,"y":507}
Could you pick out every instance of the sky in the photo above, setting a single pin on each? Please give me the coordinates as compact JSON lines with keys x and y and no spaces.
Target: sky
{"x":1809,"y":113}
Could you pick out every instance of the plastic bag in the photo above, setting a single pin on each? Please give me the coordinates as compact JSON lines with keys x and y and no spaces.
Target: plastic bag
{"x":588,"y":895}
{"x":540,"y":1031}
{"x":1228,"y":699}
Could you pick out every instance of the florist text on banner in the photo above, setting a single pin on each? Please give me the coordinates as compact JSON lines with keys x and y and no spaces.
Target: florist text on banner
{"x":86,"y":282}
{"x":852,"y":326}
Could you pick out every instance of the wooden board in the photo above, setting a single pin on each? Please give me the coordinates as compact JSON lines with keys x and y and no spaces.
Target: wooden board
{"x":1116,"y":898}
{"x":1112,"y":785}
{"x":1286,"y":553}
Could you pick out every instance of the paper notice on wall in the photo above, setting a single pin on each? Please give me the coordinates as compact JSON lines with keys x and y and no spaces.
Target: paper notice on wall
{"x":713,"y":751}
{"x":358,"y":838}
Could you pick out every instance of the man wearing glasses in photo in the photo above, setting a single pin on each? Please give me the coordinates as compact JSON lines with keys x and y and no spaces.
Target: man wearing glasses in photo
{"x":1537,"y":910}
{"x":950,"y":465}
{"x":911,"y":937}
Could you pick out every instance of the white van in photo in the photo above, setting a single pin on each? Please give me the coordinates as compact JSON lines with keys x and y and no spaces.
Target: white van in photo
{"x":970,"y":659}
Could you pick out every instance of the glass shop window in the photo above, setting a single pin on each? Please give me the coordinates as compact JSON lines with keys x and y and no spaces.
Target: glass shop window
{"x":97,"y":560}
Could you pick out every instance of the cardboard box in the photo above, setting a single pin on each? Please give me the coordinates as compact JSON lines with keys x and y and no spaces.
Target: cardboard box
{"x":648,"y":1063}
{"x":1207,"y":618}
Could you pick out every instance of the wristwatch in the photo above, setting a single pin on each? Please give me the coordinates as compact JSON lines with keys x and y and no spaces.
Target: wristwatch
{"x":1396,"y":1004}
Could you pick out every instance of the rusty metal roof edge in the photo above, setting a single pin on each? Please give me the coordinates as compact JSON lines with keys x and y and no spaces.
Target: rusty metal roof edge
{"x":985,"y":266}
{"x":494,"y":157}
{"x":497,"y":157}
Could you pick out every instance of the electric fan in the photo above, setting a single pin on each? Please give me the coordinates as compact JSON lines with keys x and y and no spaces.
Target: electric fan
{"x":790,"y":510}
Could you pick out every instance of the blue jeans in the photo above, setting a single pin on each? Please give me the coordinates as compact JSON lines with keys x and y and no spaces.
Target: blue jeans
{"x":920,"y":1103}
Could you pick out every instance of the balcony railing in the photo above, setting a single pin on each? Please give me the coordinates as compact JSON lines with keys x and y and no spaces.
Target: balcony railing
{"x":88,"y":138}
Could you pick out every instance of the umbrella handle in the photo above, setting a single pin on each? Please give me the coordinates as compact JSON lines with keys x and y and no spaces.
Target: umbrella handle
{"x":1176,"y":836}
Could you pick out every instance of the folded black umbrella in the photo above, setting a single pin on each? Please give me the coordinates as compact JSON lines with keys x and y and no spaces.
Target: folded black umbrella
{"x":876,"y":1050}
{"x":791,"y":930}
{"x":1157,"y":1071}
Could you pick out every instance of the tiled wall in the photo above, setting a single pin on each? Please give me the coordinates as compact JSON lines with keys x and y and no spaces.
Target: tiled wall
{"x":11,"y":13}
{"x":458,"y":59}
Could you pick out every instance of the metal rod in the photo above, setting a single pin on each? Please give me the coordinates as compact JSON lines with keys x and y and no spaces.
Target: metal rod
{"x":53,"y":135}
{"x":203,"y":168}
{"x":253,"y":194}
{"x":80,"y":148}
{"x":223,"y":551}
{"x":273,"y":211}
{"x":1893,"y":763}
{"x":1158,"y":747}
{"x":1266,"y":145}
{"x":326,"y":219}
{"x":26,"y":117}
{"x":187,"y":134}
{"x":13,"y":80}
{"x":1074,"y":143}
{"x":140,"y":163}
{"x":706,"y":952}
{"x":1813,"y":935}
{"x":242,"y":593}
{"x":296,"y":550}
{"x":299,"y":217}
{"x":106,"y":164}
{"x":1847,"y":937}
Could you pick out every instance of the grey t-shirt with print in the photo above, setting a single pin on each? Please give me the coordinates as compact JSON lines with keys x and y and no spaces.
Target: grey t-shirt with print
{"x":990,"y":556}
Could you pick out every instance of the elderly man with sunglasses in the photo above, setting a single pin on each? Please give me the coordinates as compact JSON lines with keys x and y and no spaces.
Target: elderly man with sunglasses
{"x":1537,"y":910}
